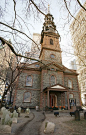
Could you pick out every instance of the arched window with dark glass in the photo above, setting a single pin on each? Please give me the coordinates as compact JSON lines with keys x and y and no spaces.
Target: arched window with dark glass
{"x":29,"y":80}
{"x":51,"y":41}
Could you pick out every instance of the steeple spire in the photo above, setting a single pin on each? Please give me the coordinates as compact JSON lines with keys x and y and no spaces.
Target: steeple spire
{"x":48,"y":9}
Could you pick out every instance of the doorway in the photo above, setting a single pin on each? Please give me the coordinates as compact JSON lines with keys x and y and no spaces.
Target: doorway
{"x":53,"y":100}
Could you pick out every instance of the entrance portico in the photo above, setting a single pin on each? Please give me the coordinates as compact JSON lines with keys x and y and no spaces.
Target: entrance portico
{"x":56,"y":95}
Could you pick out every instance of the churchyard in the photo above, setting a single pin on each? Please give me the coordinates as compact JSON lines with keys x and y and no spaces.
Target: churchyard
{"x":62,"y":124}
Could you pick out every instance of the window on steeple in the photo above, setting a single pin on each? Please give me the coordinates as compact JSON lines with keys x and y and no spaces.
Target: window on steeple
{"x":51,"y":41}
{"x":52,"y":56}
{"x":47,"y":28}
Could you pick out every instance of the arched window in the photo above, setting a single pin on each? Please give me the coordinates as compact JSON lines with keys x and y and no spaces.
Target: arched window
{"x":70,"y":83}
{"x":51,"y":41}
{"x":29,"y":80}
{"x":27,"y":96}
{"x":52,"y":79}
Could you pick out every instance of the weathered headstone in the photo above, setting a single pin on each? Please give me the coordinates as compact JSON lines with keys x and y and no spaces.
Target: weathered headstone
{"x":49,"y":127}
{"x":14,"y":120}
{"x":15,"y":114}
{"x":3,"y":109}
{"x":8,"y":120}
{"x":19,"y":109}
{"x":77,"y":115}
{"x":37,"y":108}
{"x":84,"y":115}
{"x":27,"y":110}
{"x":2,"y":121}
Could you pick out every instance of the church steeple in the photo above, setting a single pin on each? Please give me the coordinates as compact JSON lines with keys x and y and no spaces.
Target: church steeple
{"x":50,"y":40}
{"x":49,"y":26}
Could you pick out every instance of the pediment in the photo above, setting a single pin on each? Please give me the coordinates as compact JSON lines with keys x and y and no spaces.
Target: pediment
{"x":57,"y":87}
{"x":53,"y":65}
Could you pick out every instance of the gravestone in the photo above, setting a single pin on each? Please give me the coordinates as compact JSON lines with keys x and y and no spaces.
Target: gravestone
{"x":19,"y":109}
{"x":77,"y":115}
{"x":28,"y":111}
{"x":15,"y":114}
{"x":49,"y":127}
{"x":8,"y":120}
{"x":84,"y":115}
{"x":14,"y":120}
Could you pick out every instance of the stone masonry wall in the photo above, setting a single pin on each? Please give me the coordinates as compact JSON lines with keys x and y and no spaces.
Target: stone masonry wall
{"x":75,"y":90}
{"x":34,"y":89}
{"x":46,"y":78}
{"x":35,"y":98}
{"x":74,"y":82}
{"x":36,"y":80}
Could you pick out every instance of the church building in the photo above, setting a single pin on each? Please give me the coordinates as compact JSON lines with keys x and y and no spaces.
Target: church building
{"x":47,"y":83}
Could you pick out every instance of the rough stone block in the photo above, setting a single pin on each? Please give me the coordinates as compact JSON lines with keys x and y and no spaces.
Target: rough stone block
{"x":49,"y":127}
{"x":14,"y":120}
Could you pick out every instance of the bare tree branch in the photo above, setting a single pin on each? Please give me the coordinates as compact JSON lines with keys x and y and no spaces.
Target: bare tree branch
{"x":37,"y":8}
{"x":69,"y":10}
{"x":12,"y":49}
{"x":81,"y":5}
{"x":18,"y":31}
{"x":15,"y":12}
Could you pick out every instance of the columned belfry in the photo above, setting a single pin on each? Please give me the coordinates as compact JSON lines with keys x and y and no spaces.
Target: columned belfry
{"x":50,"y":48}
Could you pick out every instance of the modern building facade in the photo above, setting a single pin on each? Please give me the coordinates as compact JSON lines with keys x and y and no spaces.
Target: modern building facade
{"x":78,"y":32}
{"x":48,"y":82}
{"x":73,"y":65}
{"x":35,"y":48}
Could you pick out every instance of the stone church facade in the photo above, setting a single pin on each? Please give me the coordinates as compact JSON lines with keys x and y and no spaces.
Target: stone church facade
{"x":47,"y":83}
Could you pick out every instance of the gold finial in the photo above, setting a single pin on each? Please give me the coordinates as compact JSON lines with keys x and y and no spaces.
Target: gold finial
{"x":48,"y":9}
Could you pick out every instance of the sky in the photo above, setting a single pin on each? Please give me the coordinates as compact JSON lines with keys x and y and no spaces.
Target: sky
{"x":61,"y":20}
